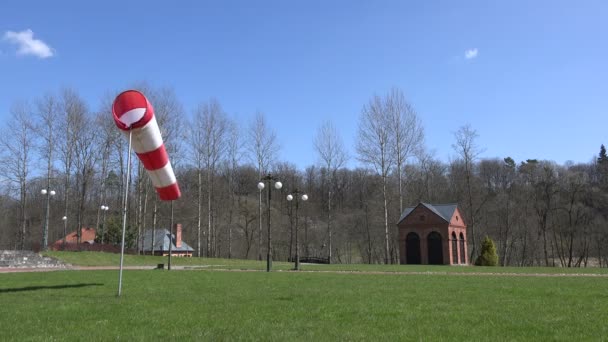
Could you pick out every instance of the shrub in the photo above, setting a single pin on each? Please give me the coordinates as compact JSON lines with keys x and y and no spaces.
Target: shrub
{"x":488,"y":255}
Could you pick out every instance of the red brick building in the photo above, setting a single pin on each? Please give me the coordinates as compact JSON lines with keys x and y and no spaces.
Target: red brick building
{"x":87,"y":236}
{"x":432,"y":234}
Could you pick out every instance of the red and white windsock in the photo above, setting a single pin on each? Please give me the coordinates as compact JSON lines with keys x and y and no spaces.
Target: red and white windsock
{"x":132,"y":112}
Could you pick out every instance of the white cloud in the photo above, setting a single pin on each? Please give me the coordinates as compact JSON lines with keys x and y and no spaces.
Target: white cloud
{"x":471,"y":53}
{"x":27,"y":45}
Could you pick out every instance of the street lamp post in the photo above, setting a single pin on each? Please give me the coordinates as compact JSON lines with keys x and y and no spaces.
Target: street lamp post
{"x":45,"y":227}
{"x":65,"y":230}
{"x":260,"y":221}
{"x":104,"y":209}
{"x":278,"y":185}
{"x":298,"y":194}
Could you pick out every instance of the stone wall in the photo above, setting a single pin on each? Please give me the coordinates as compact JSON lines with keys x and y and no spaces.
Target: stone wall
{"x":28,"y":259}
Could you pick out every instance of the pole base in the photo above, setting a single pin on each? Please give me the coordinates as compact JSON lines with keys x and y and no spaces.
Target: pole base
{"x":269,"y":263}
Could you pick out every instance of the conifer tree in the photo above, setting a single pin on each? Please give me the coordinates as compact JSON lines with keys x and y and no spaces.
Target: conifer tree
{"x":603,"y":157}
{"x":488,"y":255}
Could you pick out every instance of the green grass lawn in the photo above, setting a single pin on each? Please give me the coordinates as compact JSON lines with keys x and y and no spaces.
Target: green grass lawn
{"x":109,"y":259}
{"x":212,"y":305}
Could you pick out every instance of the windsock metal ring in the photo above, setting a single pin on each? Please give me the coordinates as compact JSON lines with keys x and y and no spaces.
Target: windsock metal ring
{"x":133,"y":113}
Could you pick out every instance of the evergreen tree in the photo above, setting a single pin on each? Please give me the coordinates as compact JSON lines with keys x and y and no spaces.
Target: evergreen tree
{"x":602,"y":168}
{"x":603,"y":158}
{"x":113,"y":233}
{"x":488,"y":256}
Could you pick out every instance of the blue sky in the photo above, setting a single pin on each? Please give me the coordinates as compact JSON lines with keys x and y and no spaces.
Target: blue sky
{"x":535,"y":85}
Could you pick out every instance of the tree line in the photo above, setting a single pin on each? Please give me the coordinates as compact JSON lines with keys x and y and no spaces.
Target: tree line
{"x":537,"y":211}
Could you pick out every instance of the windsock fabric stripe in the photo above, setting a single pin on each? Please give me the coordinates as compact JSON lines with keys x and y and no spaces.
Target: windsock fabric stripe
{"x":146,"y":138}
{"x":148,"y":144}
{"x":165,"y":183}
{"x":162,"y":177}
{"x":169,"y":193}
{"x":154,"y":160}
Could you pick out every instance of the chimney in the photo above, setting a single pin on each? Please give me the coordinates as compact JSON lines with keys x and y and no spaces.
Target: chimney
{"x":178,"y":235}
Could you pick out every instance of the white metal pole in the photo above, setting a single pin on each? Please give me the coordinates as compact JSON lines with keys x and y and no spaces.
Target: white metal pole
{"x":45,"y":228}
{"x":124,"y":217}
{"x":171,"y":237}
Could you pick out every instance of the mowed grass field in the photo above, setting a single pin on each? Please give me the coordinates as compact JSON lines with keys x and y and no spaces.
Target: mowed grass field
{"x":307,"y":306}
{"x":110,"y":259}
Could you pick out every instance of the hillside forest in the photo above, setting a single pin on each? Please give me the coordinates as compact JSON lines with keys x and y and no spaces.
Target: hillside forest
{"x":536,"y":211}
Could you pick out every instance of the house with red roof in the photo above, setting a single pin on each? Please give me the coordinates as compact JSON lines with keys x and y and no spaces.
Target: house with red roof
{"x":87,"y":236}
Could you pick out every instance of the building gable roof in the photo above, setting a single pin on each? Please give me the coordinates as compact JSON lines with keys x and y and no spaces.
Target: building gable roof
{"x":444,"y":211}
{"x":161,"y":242}
{"x":86,"y":235}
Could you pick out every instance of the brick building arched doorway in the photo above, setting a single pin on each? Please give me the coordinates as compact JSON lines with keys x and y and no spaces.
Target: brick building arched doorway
{"x":412,"y":246}
{"x":435,"y":248}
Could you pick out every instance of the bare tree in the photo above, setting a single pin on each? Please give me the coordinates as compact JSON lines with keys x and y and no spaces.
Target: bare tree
{"x":408,"y":134}
{"x":573,"y":191}
{"x":17,"y":142}
{"x":375,"y":148}
{"x":245,"y":225}
{"x":263,"y":148}
{"x":108,"y":134}
{"x":432,"y":177}
{"x":48,"y":114}
{"x":333,"y":156}
{"x":85,"y":157}
{"x":234,"y":150}
{"x":542,"y":178}
{"x":247,"y":211}
{"x":72,"y":107}
{"x":208,"y":135}
{"x":169,"y":114}
{"x":196,"y":155}
{"x":467,"y":149}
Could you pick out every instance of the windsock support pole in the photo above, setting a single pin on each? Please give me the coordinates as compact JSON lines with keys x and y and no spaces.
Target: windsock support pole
{"x":124,"y":216}
{"x":171,"y":237}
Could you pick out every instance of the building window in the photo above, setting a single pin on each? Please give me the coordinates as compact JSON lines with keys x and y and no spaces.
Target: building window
{"x":421,"y":217}
{"x":456,"y":217}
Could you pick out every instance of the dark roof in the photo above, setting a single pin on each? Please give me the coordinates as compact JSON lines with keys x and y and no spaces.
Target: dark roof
{"x":161,"y":242}
{"x":445,"y":211}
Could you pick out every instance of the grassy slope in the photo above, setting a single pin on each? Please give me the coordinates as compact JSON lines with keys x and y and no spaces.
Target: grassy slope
{"x":108,"y":259}
{"x":200,"y":305}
